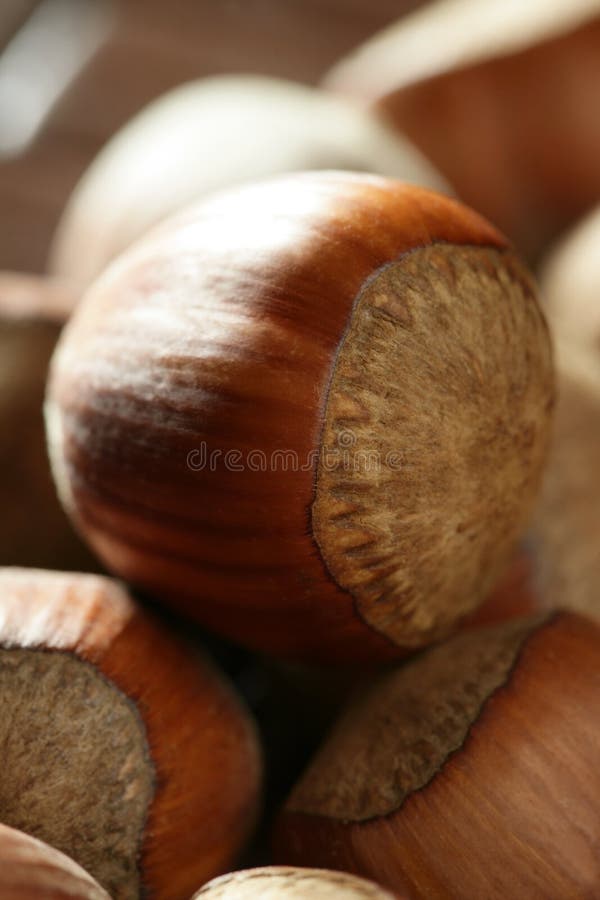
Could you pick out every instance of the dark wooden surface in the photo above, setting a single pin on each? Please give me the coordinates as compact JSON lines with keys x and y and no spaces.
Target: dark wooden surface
{"x":152,"y":47}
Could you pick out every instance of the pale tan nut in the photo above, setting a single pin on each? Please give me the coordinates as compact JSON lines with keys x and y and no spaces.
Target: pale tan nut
{"x":211,"y":134}
{"x":287,"y":883}
{"x":31,"y":870}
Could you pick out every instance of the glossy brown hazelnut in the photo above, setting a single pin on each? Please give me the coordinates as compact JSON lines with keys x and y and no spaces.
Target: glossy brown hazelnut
{"x":31,"y":870}
{"x":499,"y":97}
{"x":472,"y":771}
{"x":34,"y":530}
{"x":312,"y":413}
{"x":120,"y":746}
{"x":208,"y":135}
{"x":272,"y":882}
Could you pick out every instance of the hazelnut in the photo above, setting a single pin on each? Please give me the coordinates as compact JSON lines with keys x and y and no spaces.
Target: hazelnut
{"x":208,"y":135}
{"x":563,"y":537}
{"x":291,"y":884}
{"x":498,"y":96}
{"x":30,"y":870}
{"x":312,"y":413}
{"x":570,"y":284}
{"x":470,"y":772}
{"x":120,"y":747}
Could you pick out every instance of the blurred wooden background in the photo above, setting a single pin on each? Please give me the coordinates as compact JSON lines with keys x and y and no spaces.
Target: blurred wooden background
{"x":150,"y":46}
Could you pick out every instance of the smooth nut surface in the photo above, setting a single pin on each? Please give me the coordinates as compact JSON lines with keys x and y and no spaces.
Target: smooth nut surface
{"x":570,"y":284}
{"x":562,"y":538}
{"x":273,"y":882}
{"x":436,"y":779}
{"x":497,"y":96}
{"x":30,"y":870}
{"x":216,"y":400}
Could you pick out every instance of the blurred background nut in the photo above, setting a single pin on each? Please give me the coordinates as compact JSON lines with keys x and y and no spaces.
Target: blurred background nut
{"x":563,"y":543}
{"x":563,"y":540}
{"x":213,"y":134}
{"x":123,"y":54}
{"x":570,"y":284}
{"x":499,"y":96}
{"x":31,"y":870}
